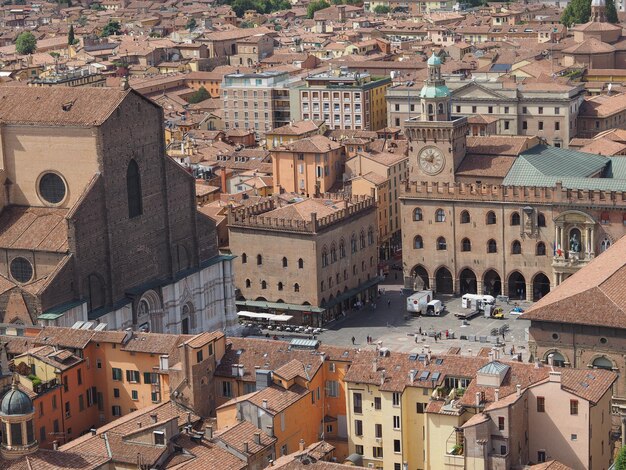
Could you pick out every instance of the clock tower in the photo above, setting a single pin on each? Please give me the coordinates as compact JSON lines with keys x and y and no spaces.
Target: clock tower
{"x":437,"y":141}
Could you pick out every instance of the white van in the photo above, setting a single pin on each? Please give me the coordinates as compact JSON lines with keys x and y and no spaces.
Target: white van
{"x":434,"y":307}
{"x":477,"y":301}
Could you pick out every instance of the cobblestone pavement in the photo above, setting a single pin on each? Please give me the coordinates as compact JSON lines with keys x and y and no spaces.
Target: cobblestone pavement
{"x":389,"y":324}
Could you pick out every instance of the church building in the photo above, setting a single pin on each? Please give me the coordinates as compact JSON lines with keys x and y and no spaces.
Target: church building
{"x":97,"y":224}
{"x":500,"y":215}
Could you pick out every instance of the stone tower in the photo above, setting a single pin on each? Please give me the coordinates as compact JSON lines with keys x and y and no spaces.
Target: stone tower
{"x":437,"y":140}
{"x":16,"y":417}
{"x":598,"y":11}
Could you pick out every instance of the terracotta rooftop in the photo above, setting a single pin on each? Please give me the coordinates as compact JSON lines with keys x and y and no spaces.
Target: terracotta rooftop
{"x":34,"y":228}
{"x":59,"y":106}
{"x":493,"y":166}
{"x":597,"y":287}
{"x":244,"y":432}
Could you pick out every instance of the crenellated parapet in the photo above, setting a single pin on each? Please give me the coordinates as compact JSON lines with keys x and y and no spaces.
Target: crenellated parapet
{"x":252,"y":216}
{"x":514,"y":194}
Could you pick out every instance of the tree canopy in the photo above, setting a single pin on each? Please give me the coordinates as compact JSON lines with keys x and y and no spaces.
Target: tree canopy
{"x":191,"y":24}
{"x":620,"y":461}
{"x":71,"y":38}
{"x":26,"y":43}
{"x":111,"y":28}
{"x":260,"y":6}
{"x":200,"y":95}
{"x":316,"y":6}
{"x":611,"y":11}
{"x":577,"y":11}
{"x":381,"y":9}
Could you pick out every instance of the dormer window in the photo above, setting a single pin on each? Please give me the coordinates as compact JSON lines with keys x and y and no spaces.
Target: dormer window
{"x":159,"y":438}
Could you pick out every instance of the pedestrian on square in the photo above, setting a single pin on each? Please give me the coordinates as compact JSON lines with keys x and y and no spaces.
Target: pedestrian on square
{"x":353,"y":339}
{"x":420,"y":330}
{"x":388,"y":303}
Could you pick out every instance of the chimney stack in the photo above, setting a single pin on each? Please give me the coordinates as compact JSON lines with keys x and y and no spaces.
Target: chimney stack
{"x":93,"y":431}
{"x":245,"y":447}
{"x":55,"y":445}
{"x":139,"y":424}
{"x":496,"y":394}
{"x":257,"y":438}
{"x":555,"y":376}
{"x":375,"y":365}
{"x":265,"y":404}
{"x":154,"y":417}
{"x":551,"y":359}
{"x":477,"y":398}
{"x":208,"y":432}
{"x":519,"y":390}
{"x":301,"y":445}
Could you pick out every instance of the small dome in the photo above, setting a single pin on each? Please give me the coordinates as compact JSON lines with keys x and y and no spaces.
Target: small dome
{"x":435,"y":60}
{"x":16,"y":402}
{"x":434,"y":91}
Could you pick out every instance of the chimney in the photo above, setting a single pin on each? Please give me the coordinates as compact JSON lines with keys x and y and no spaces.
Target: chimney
{"x":189,"y":417}
{"x":538,"y":364}
{"x":551,"y":360}
{"x":124,"y":83}
{"x":490,"y":356}
{"x":265,"y":404}
{"x":154,"y":417}
{"x":375,"y":365}
{"x":208,"y":432}
{"x":257,"y":438}
{"x":241,"y":370}
{"x":55,"y":445}
{"x":301,"y":445}
{"x":555,"y":376}
{"x":245,"y":447}
{"x":496,"y":394}
{"x":93,"y":431}
{"x":519,"y":390}
{"x":139,"y":424}
{"x":223,"y":179}
{"x":477,"y":399}
{"x":234,"y":370}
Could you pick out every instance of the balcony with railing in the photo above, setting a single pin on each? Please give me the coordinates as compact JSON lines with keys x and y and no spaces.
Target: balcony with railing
{"x":455,"y":452}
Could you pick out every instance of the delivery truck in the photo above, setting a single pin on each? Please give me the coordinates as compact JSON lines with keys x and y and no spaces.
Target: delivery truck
{"x":417,"y":303}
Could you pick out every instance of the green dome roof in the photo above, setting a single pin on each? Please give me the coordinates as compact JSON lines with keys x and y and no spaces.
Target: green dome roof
{"x":434,"y":60}
{"x":434,"y":91}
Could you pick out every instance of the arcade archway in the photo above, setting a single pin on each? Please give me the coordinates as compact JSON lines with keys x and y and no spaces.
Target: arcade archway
{"x":492,"y":284}
{"x":541,"y":286}
{"x":517,"y":286}
{"x":420,"y":272}
{"x":467,"y":282}
{"x":443,"y":279}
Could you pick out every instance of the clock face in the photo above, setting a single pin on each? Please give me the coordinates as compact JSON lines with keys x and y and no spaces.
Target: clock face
{"x":431,"y":160}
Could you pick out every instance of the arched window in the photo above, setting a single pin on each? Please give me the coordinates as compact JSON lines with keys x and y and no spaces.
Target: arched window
{"x":516,"y":248}
{"x":322,"y":286}
{"x":95,"y":291}
{"x":300,"y":263}
{"x":370,"y":236}
{"x":492,"y":246}
{"x":541,"y":220}
{"x":540,"y":249}
{"x":248,"y":283}
{"x":296,"y":287}
{"x":417,"y":215}
{"x":263,"y":285}
{"x":342,"y":249}
{"x":440,"y":215}
{"x":604,"y":245}
{"x":280,"y":286}
{"x":244,"y":258}
{"x":333,"y":253}
{"x":440,"y":108}
{"x":418,"y":243}
{"x":362,"y":239}
{"x":353,"y":246}
{"x":324,"y":258}
{"x":603,"y":363}
{"x":465,"y":217}
{"x":371,"y":261}
{"x":259,"y":259}
{"x":466,"y":245}
{"x":362,"y":266}
{"x":515,"y":219}
{"x":491,"y":218}
{"x":557,"y":359}
{"x":441,"y":243}
{"x":133,"y":189}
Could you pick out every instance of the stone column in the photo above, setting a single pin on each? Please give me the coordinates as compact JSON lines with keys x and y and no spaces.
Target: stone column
{"x":529,"y":291}
{"x":479,"y":286}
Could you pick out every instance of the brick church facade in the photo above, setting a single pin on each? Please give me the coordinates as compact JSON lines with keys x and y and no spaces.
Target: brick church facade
{"x":97,"y":224}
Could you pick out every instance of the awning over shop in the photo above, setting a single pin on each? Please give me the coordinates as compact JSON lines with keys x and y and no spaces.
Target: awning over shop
{"x":278,"y":306}
{"x":354,"y":291}
{"x":264,"y":316}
